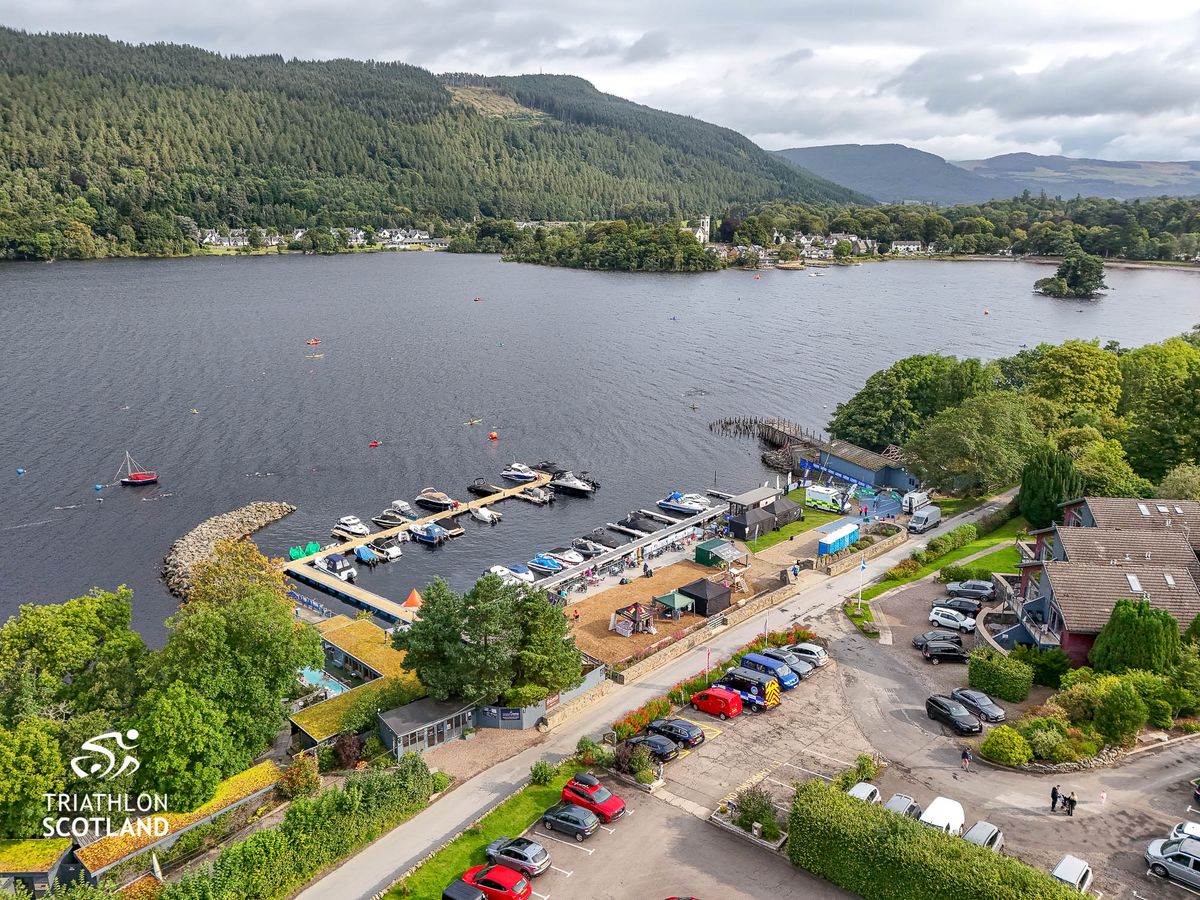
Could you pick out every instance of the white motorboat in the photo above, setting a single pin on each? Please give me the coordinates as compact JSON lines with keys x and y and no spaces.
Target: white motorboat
{"x":485,"y":515}
{"x":521,"y":572}
{"x":353,"y":525}
{"x":570,"y":483}
{"x":389,"y":518}
{"x":387,"y":547}
{"x":688,"y":504}
{"x":519,"y":472}
{"x":566,"y":555}
{"x":587,"y":548}
{"x":547,"y":565}
{"x":336,"y":565}
{"x":537,"y":495}
{"x":404,"y":508}
{"x":506,"y":575}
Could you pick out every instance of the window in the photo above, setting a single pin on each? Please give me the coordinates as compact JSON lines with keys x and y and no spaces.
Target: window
{"x":1169,"y":579}
{"x":1143,"y":509}
{"x":1134,"y":584}
{"x":1162,"y":509}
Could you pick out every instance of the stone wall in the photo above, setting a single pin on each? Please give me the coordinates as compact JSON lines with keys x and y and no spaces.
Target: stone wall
{"x":197,"y":545}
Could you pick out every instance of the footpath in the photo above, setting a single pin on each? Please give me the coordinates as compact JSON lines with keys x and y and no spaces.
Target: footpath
{"x":375,"y":868}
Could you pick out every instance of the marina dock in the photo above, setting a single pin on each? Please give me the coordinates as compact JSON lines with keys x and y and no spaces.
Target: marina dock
{"x":300,"y":570}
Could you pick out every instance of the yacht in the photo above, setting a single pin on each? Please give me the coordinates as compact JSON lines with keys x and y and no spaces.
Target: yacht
{"x":486,"y":515}
{"x":566,"y":556}
{"x":336,"y":565}
{"x":386,"y":547}
{"x":545,"y":564}
{"x":519,"y":472}
{"x":570,"y":483}
{"x":353,"y":525}
{"x":586,"y":547}
{"x":688,"y":504}
{"x":431,"y":499}
{"x":429,"y":533}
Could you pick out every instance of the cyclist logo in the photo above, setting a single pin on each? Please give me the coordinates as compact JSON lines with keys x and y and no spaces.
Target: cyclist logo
{"x":99,"y":761}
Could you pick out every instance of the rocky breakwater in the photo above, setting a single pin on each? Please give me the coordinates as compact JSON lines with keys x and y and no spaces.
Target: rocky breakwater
{"x":197,"y":545}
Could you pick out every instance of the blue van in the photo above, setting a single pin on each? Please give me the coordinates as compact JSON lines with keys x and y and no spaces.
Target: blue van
{"x":759,"y":663}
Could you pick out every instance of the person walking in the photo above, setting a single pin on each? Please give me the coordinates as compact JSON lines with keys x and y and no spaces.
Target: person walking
{"x":1054,"y":798}
{"x":1071,"y":801}
{"x":966,"y":760}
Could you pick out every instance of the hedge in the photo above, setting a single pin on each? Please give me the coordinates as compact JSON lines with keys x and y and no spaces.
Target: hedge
{"x":964,"y":573}
{"x":951,"y":540}
{"x":998,"y":675}
{"x":880,"y":855}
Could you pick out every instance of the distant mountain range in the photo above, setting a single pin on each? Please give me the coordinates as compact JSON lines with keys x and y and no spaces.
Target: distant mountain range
{"x":894,"y":173}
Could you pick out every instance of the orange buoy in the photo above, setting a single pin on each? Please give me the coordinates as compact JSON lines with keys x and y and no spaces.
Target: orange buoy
{"x":492,"y":436}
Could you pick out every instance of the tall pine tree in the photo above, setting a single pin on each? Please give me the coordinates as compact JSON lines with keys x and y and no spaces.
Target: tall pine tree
{"x":1049,"y":478}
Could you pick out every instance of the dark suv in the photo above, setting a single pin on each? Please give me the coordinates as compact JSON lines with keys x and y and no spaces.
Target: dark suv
{"x":944,"y":651}
{"x":922,"y":639}
{"x":950,"y":712}
{"x":964,"y":605}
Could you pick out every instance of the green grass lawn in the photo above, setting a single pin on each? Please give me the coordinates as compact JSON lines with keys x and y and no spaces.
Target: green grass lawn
{"x":953,"y":506}
{"x":1006,"y":533}
{"x":851,"y":609}
{"x":813,"y":518}
{"x":508,"y":819}
{"x":1003,"y":560}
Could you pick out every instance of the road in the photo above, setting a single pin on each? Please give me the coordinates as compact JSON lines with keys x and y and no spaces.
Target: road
{"x":377,"y":866}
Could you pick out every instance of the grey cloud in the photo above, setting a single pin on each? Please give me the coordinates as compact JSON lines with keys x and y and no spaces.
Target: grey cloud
{"x":800,"y":54}
{"x":653,"y":45}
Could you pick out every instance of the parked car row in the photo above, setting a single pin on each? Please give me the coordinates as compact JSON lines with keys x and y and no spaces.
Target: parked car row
{"x":944,"y":814}
{"x":1177,"y":856}
{"x":760,"y":677}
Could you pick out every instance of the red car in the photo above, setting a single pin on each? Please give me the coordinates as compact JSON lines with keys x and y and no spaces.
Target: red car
{"x":717,"y":702}
{"x":586,"y":791}
{"x":498,"y":882}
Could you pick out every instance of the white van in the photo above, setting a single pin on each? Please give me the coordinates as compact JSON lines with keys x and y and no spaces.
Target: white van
{"x":914,"y":500}
{"x":945,"y":815}
{"x":924,"y":519}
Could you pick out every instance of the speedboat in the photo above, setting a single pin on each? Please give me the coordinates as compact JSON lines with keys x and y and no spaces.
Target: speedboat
{"x":431,"y":499}
{"x":506,"y":576}
{"x":451,"y":527}
{"x":388,"y":548}
{"x":519,"y":472}
{"x":570,"y":483}
{"x":635,"y":521}
{"x":586,"y":548}
{"x":404,"y":508}
{"x":353,"y":525}
{"x":689,"y":504}
{"x":537,"y":495}
{"x":566,"y":555}
{"x":389,"y":518}
{"x":336,"y":565}
{"x":520,"y":572}
{"x":545,"y":564}
{"x":605,"y":539}
{"x":485,"y":515}
{"x":367,"y":556}
{"x":429,"y":533}
{"x":481,"y":488}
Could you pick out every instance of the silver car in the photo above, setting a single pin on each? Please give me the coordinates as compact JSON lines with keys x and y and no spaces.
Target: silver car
{"x":904,"y":805}
{"x":985,"y":835}
{"x":519,"y":854}
{"x":1177,"y":859}
{"x":810,"y":653}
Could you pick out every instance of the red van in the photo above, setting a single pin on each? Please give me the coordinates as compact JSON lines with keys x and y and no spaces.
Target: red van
{"x":717,"y":701}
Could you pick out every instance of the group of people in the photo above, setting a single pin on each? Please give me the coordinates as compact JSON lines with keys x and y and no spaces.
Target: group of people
{"x":1067,"y":801}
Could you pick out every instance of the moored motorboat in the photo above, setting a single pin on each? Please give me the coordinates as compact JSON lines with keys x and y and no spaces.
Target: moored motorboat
{"x":451,"y":527}
{"x":404,"y":508}
{"x":566,"y":556}
{"x":133,"y":475}
{"x":521,"y":572}
{"x":336,"y":565}
{"x":388,"y":548}
{"x":688,"y":504}
{"x":605,"y":539}
{"x":537,"y":495}
{"x":431,"y":499}
{"x":352,"y":525}
{"x":545,"y":564}
{"x":519,"y":472}
{"x":635,"y":521}
{"x":481,"y":488}
{"x":586,"y":547}
{"x":389,"y":518}
{"x":485,"y":515}
{"x":570,"y":483}
{"x":429,"y":533}
{"x":367,"y":556}
{"x":504,"y":574}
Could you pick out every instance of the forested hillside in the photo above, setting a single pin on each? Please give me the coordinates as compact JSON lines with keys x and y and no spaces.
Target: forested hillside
{"x":111,"y":148}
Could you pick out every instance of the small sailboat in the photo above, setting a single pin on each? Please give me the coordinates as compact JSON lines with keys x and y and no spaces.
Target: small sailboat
{"x":545,"y":564}
{"x":133,"y":475}
{"x":519,"y":472}
{"x":485,"y":515}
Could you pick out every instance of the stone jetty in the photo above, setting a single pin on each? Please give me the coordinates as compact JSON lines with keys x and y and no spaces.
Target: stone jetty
{"x":198,"y":544}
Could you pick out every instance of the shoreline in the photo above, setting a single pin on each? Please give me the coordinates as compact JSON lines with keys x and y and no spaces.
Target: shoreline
{"x":197,"y":545}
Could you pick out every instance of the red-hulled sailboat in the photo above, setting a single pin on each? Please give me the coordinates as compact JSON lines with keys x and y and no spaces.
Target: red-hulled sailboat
{"x":131,"y":474}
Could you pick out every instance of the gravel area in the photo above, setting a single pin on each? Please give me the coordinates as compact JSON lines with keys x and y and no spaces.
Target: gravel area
{"x":465,"y":759}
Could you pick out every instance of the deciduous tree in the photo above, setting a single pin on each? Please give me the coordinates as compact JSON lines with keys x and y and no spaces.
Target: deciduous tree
{"x":184,"y":749}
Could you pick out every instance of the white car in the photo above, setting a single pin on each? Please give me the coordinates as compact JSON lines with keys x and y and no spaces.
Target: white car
{"x":353,"y":525}
{"x":1073,"y":871}
{"x":864,"y":790}
{"x":1186,"y":830}
{"x":950,"y":618}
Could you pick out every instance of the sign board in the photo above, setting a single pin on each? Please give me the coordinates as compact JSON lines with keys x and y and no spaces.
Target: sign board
{"x":808,"y":464}
{"x":510,"y":715}
{"x":551,"y":702}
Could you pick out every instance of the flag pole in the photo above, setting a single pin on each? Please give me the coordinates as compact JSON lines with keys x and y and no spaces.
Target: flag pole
{"x":862,"y":567}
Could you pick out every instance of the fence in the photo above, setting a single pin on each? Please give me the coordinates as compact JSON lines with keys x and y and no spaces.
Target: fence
{"x":519,"y":718}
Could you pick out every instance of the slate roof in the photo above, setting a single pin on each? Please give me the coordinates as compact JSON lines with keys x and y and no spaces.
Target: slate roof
{"x":1123,"y":512}
{"x":860,"y":456}
{"x":1103,"y":546}
{"x":1086,"y":594}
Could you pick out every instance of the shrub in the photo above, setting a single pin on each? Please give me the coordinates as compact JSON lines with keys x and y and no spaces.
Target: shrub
{"x":373,"y":747}
{"x":301,"y":778}
{"x":1160,"y":714}
{"x":755,"y":805}
{"x":1005,"y":744}
{"x":347,"y":750}
{"x":879,"y":855}
{"x":1048,"y":666}
{"x":903,"y":569}
{"x":644,"y":776}
{"x":441,"y":781}
{"x":1136,"y":636}
{"x":640,"y":759}
{"x":604,"y":756}
{"x":864,"y":769}
{"x":964,"y":573}
{"x":541,"y":772}
{"x":999,"y":675}
{"x":621,"y":757}
{"x":586,"y":750}
{"x":950,"y":541}
{"x":326,"y":761}
{"x":1120,"y":713}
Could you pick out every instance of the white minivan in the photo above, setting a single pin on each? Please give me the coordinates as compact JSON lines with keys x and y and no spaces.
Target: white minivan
{"x":924,"y":519}
{"x":945,"y":815}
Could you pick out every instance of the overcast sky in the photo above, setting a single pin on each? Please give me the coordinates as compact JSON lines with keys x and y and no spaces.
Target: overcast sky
{"x":961,"y":78}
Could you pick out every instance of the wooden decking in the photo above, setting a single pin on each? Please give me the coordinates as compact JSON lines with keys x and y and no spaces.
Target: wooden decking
{"x":301,"y":571}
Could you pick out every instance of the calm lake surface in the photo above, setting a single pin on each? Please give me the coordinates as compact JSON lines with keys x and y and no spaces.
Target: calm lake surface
{"x":597,"y":371}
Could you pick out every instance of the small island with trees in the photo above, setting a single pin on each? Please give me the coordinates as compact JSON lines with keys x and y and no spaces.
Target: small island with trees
{"x":1080,"y":275}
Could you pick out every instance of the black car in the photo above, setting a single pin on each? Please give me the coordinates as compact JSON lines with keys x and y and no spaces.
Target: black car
{"x":950,"y":712}
{"x":922,"y":639}
{"x":964,"y":605}
{"x":980,"y":704}
{"x":570,"y":819}
{"x":520,"y":854}
{"x":944,"y":651}
{"x":683,"y":732}
{"x":663,"y":748}
{"x":976,"y":589}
